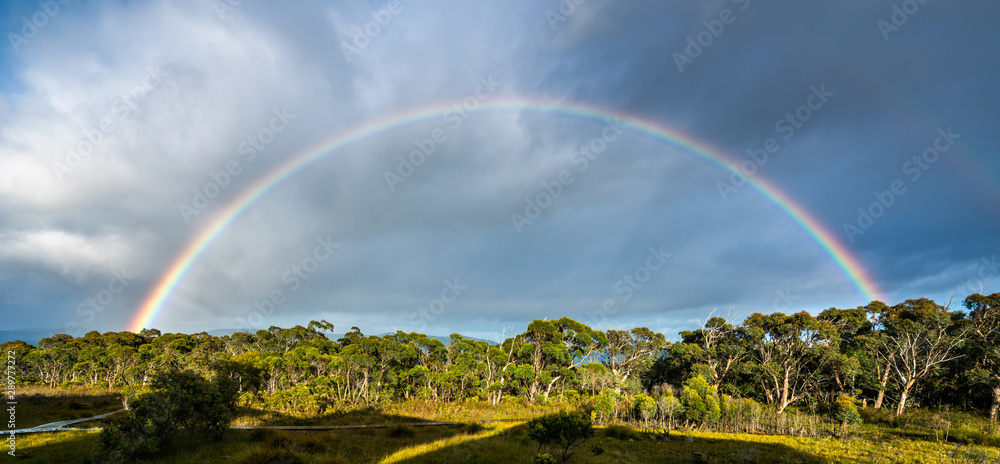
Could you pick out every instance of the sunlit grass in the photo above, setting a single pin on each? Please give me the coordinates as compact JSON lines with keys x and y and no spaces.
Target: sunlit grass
{"x":507,"y":443}
{"x":461,"y":444}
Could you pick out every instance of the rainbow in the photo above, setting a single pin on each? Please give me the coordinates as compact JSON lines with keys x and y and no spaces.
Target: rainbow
{"x":849,"y":265}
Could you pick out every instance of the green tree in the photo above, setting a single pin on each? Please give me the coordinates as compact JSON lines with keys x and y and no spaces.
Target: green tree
{"x":563,"y":432}
{"x":174,"y":400}
{"x":790,"y":354}
{"x":920,"y":337}
{"x":701,"y":401}
{"x":985,"y":315}
{"x":626,"y":353}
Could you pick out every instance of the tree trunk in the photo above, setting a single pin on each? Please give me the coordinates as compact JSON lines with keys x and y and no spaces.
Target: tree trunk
{"x":995,"y":407}
{"x":881,"y":392}
{"x":902,"y":397}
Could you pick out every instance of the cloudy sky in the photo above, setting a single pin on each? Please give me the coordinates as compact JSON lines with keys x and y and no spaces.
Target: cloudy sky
{"x":128,"y":128}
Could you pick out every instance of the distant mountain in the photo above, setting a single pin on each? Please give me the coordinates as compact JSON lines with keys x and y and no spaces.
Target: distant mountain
{"x":30,"y":336}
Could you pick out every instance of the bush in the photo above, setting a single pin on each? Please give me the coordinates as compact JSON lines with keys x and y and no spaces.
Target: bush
{"x":563,"y":431}
{"x":604,"y":406}
{"x":622,"y":432}
{"x":174,"y":400}
{"x":543,"y":458}
{"x":701,"y":401}
{"x":845,"y":411}
{"x":644,"y":407}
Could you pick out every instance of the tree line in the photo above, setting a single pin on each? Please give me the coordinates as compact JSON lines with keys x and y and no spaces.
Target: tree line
{"x":915,"y":352}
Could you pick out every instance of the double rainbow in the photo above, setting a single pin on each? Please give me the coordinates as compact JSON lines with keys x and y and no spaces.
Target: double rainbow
{"x":841,"y":256}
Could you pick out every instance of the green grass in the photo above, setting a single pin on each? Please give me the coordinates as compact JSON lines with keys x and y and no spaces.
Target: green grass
{"x":507,"y":443}
{"x":918,"y":437}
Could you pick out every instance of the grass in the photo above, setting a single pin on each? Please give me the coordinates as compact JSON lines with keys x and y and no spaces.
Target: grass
{"x":41,"y":405}
{"x":403,"y":412}
{"x":507,"y":443}
{"x":918,"y":437}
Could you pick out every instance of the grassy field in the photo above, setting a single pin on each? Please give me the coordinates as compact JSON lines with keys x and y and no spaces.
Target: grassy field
{"x":916,"y":438}
{"x":42,"y":405}
{"x":507,"y":444}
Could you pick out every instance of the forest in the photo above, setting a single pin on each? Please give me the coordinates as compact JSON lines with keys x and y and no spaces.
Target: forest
{"x":770,"y":373}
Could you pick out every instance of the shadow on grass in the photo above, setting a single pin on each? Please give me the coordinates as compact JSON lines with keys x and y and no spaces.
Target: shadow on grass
{"x":41,"y":408}
{"x":261,"y":446}
{"x":366,"y":416}
{"x":512,"y":445}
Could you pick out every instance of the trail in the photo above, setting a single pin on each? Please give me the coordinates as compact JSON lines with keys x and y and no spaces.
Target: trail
{"x":58,"y":426}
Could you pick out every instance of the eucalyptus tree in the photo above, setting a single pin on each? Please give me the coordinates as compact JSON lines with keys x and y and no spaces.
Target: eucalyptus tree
{"x":714,"y":350}
{"x":554,"y":348}
{"x":790,"y":352}
{"x":627,"y":352}
{"x":920,"y":336}
{"x":851,"y":325}
{"x":985,"y":331}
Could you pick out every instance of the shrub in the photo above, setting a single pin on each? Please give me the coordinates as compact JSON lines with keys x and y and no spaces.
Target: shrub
{"x":604,"y":406}
{"x":701,"y":401}
{"x":543,"y":458}
{"x":562,"y":431}
{"x":622,"y":432}
{"x":845,"y":411}
{"x":174,"y":400}
{"x":644,"y":407}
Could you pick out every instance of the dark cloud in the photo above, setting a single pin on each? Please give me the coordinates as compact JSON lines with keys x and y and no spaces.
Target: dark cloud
{"x":163,"y":99}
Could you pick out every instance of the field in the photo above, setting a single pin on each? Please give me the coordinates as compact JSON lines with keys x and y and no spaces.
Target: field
{"x":883,"y":440}
{"x":42,"y":405}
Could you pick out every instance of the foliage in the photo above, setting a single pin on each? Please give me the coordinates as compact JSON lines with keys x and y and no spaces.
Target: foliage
{"x":644,"y":407}
{"x":173,"y":400}
{"x":844,"y":411}
{"x":701,"y":401}
{"x":563,"y":432}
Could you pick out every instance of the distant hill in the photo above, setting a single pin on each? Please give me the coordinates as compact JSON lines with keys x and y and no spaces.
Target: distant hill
{"x":30,"y":336}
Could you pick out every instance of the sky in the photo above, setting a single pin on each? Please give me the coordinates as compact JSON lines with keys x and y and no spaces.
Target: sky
{"x":467,"y":167}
